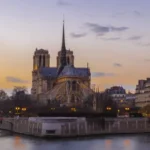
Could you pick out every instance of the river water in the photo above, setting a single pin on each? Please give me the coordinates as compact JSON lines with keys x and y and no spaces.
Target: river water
{"x":118,"y":142}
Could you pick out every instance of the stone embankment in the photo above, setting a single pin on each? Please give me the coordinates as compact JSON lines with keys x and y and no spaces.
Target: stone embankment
{"x":74,"y":126}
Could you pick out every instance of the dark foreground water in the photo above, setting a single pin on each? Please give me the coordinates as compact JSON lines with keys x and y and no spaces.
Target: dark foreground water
{"x":121,"y":142}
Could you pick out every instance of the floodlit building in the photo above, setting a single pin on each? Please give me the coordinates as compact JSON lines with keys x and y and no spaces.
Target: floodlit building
{"x":143,"y":93}
{"x":117,"y":93}
{"x":65,"y":83}
{"x":121,"y":97}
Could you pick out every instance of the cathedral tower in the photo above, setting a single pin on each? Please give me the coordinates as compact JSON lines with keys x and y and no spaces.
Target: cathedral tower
{"x":41,"y":59}
{"x":69,"y":58}
{"x":65,"y":57}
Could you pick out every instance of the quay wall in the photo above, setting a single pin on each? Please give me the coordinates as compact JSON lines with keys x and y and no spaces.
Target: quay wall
{"x":70,"y":127}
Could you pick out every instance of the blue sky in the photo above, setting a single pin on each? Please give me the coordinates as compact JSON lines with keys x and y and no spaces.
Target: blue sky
{"x":112,"y":35}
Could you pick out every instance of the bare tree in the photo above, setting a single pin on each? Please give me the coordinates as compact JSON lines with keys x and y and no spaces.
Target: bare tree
{"x":145,"y":109}
{"x":19,"y":89}
{"x":104,"y":100}
{"x":20,"y":96}
{"x":3,"y":95}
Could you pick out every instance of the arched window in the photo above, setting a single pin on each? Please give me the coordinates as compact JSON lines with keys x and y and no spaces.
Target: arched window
{"x":68,"y":60}
{"x":77,"y":86}
{"x":74,"y":88}
{"x":77,"y":100}
{"x":72,"y":98}
{"x":43,"y":61}
{"x":40,"y":61}
{"x":68,"y":86}
{"x":53,"y":84}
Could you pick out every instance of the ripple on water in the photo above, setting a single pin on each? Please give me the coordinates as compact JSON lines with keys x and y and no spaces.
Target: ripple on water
{"x":123,"y":142}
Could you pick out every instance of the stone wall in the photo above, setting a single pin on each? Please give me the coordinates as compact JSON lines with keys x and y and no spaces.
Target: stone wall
{"x":85,"y":127}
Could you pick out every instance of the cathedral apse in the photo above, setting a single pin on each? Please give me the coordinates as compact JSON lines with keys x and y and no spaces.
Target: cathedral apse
{"x":65,"y":83}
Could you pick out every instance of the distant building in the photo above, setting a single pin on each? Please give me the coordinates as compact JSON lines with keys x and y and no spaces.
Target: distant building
{"x":130,"y":99}
{"x":120,"y":96}
{"x":117,"y":93}
{"x":142,"y":93}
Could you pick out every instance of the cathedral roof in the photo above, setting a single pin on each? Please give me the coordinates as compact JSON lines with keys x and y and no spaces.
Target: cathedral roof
{"x":49,"y":71}
{"x":71,"y":71}
{"x":67,"y":71}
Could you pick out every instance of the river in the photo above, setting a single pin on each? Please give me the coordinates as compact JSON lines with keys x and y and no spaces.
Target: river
{"x":117,"y":142}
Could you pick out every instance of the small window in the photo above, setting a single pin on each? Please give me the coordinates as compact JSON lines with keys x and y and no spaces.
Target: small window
{"x":74,"y":86}
{"x":68,"y":61}
{"x":43,"y":61}
{"x":40,"y":61}
{"x":50,"y":131}
{"x":72,"y":98}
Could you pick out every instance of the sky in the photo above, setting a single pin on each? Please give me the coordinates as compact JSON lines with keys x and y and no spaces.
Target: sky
{"x":111,"y":35}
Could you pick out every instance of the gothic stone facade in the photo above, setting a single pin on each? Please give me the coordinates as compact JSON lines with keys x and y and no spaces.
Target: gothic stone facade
{"x":64,"y":82}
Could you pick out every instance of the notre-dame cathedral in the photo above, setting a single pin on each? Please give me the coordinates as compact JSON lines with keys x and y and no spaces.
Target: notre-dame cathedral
{"x":64,"y":83}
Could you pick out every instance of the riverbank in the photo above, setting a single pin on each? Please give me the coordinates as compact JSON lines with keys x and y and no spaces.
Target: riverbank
{"x":64,"y":127}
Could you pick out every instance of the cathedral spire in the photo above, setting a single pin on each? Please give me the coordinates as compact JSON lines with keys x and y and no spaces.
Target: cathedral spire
{"x":63,"y":60}
{"x":63,"y":47}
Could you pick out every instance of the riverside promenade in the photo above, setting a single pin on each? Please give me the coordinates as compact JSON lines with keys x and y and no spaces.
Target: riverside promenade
{"x":74,"y":126}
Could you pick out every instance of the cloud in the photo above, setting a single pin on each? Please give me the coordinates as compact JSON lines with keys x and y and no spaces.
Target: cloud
{"x":135,"y":38}
{"x":15,"y":80}
{"x":63,"y":3}
{"x":136,"y":13}
{"x":111,"y":39}
{"x":102,"y":74}
{"x":75,"y":35}
{"x":118,"y":29}
{"x":118,"y":14}
{"x":117,"y":65}
{"x":132,"y":13}
{"x":147,"y":60}
{"x":102,"y":30}
{"x":144,"y":44}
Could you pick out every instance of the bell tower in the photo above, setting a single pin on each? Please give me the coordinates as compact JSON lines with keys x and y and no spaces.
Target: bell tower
{"x":69,"y":58}
{"x":41,"y":59}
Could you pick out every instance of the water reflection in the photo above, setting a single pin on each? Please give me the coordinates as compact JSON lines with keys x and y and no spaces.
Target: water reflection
{"x":127,"y":142}
{"x":108,"y":144}
{"x":18,"y":143}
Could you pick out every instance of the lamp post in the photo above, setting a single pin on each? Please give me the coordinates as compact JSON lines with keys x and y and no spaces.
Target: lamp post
{"x":73,"y":109}
{"x":127,"y":108}
{"x":17,"y":109}
{"x":24,"y":109}
{"x":108,"y":108}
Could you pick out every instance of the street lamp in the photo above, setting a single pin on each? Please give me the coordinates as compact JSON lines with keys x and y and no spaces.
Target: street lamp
{"x":24,"y":109}
{"x":108,"y":108}
{"x":73,"y":109}
{"x":127,"y":108}
{"x":52,"y":108}
{"x":17,"y":109}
